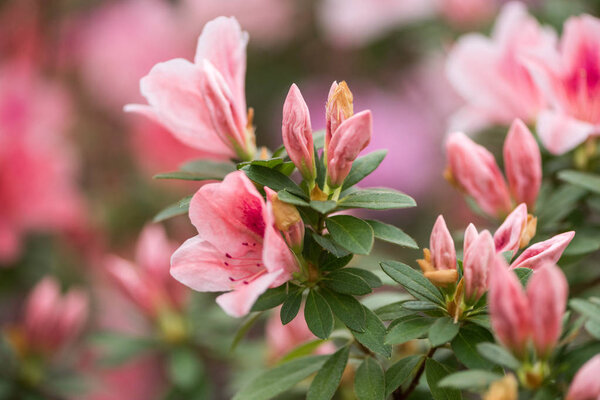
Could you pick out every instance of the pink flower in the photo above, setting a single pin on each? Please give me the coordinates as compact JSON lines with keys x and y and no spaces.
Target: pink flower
{"x":508,"y":236}
{"x":339,"y":107}
{"x":540,"y":253}
{"x":147,"y":282}
{"x":467,"y":13}
{"x":570,"y":78}
{"x":53,"y":321}
{"x":203,"y":103}
{"x":439,"y":261}
{"x":586,"y":385}
{"x":297,"y":133}
{"x":237,"y":248}
{"x":547,"y":292}
{"x":478,"y":259}
{"x":490,"y":74}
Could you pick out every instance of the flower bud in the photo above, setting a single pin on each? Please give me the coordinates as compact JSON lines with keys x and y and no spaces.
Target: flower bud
{"x":478,"y":259}
{"x":287,"y":220}
{"x":442,"y":246}
{"x":471,"y":235}
{"x":547,"y":292}
{"x":339,"y":108}
{"x":586,"y":385}
{"x":474,"y":169}
{"x":547,"y":251}
{"x":522,"y":163}
{"x":508,"y":235}
{"x":297,"y":133}
{"x":503,"y":389}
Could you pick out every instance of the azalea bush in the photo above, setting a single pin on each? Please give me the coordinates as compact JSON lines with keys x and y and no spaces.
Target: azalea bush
{"x":503,"y":306}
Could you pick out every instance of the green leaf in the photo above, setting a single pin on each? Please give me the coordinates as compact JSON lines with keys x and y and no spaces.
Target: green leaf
{"x":318,"y":315}
{"x":185,"y":176}
{"x":472,"y":379}
{"x":369,"y":277}
{"x":420,"y":306}
{"x":328,"y":244}
{"x":408,"y":328}
{"x":414,"y":282}
{"x":482,"y":320}
{"x":377,"y":199}
{"x":347,"y":282}
{"x":590,"y":182}
{"x":184,"y":368}
{"x":180,"y":208}
{"x":273,"y":179}
{"x":586,"y":308}
{"x":287,"y":197}
{"x":270,"y":163}
{"x":353,"y":234}
{"x":362,"y":167}
{"x":498,"y":355}
{"x":243,"y":329}
{"x":369,"y":382}
{"x":271,"y":298}
{"x":435,"y":372}
{"x":116,"y":349}
{"x":291,"y":306}
{"x":373,"y":337}
{"x":330,"y":262}
{"x":305,"y":349}
{"x":400,"y":372}
{"x":328,"y":378}
{"x":593,"y":328}
{"x":392,"y":311}
{"x":557,"y":206}
{"x":347,"y":309}
{"x":442,"y":331}
{"x":465,"y":346}
{"x":279,"y":379}
{"x":390,"y":233}
{"x":523,"y":274}
{"x":323,"y":207}
{"x":218,"y":169}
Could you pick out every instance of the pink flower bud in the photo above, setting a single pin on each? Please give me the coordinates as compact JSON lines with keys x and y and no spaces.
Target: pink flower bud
{"x":349,"y":139}
{"x":509,"y":308}
{"x":478,"y":259}
{"x":441,"y":245}
{"x":508,"y":235}
{"x":522,"y":163}
{"x":339,"y":108}
{"x":547,"y":292}
{"x":297,"y":133}
{"x":475,"y":170}
{"x":471,"y":235}
{"x":547,"y":251}
{"x":586,"y":385}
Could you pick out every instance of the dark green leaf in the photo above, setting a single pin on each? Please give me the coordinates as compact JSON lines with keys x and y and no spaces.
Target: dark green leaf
{"x":473,"y":379}
{"x":408,"y":328}
{"x":362,"y":167}
{"x":270,"y":163}
{"x":414,"y":282}
{"x":323,"y":206}
{"x":498,"y":355}
{"x":347,"y":282}
{"x":420,"y":306}
{"x":377,"y":199}
{"x":328,"y":378}
{"x":287,"y":197}
{"x":318,"y":315}
{"x":180,"y":208}
{"x":372,"y":279}
{"x":328,"y":244}
{"x":273,"y":179}
{"x":373,"y":337}
{"x":243,"y":329}
{"x":347,"y":309}
{"x":442,"y":331}
{"x":184,"y":368}
{"x":523,"y":274}
{"x":369,"y":382}
{"x":353,"y":234}
{"x":435,"y":372}
{"x":330,"y":262}
{"x":392,"y":234}
{"x":392,"y":311}
{"x":291,"y":306}
{"x":465,"y":346}
{"x":400,"y":372}
{"x":271,"y":298}
{"x":590,"y":182}
{"x":305,"y":349}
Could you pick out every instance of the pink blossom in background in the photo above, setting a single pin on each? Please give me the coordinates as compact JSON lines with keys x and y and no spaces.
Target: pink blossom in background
{"x":585,"y":384}
{"x":38,"y":190}
{"x":467,"y":13}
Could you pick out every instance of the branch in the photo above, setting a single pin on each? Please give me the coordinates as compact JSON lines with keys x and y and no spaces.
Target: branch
{"x":398,"y":394}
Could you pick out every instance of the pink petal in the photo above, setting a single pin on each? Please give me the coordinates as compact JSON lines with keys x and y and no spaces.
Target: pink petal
{"x":471,"y":235}
{"x":543,"y":252}
{"x":560,"y":133}
{"x":125,"y":275}
{"x":585,"y":384}
{"x":41,"y":308}
{"x":441,"y":246}
{"x":73,"y":314}
{"x":478,"y":259}
{"x":276,"y":254}
{"x":508,"y":235}
{"x":238,"y":302}
{"x":296,"y":132}
{"x":153,"y":252}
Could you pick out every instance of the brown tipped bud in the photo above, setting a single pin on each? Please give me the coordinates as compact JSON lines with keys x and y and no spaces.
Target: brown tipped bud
{"x":425,"y":263}
{"x":286,"y":215}
{"x":503,"y":389}
{"x":442,"y":278}
{"x":529,"y":231}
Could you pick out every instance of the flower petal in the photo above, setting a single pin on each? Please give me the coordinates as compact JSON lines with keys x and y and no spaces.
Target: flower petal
{"x":560,"y":133}
{"x":547,"y":251}
{"x":239,"y":302}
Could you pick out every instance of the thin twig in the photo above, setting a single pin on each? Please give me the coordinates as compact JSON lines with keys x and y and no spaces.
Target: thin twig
{"x":398,"y":394}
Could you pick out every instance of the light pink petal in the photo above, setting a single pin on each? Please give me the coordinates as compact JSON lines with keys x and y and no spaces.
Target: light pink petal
{"x":153,"y":252}
{"x":127,"y":278}
{"x":41,"y":308}
{"x":239,"y":302}
{"x":73,"y":314}
{"x":276,"y":254}
{"x":508,"y":235}
{"x":585,"y":384}
{"x":560,"y":133}
{"x":478,"y":260}
{"x":471,"y":235}
{"x":441,"y":246}
{"x":468,"y":119}
{"x":543,"y":252}
{"x":296,"y":132}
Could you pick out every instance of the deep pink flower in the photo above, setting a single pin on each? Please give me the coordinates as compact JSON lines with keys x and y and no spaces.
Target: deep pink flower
{"x":203,"y":103}
{"x":237,"y":248}
{"x":297,"y":133}
{"x":540,"y":253}
{"x":508,"y":236}
{"x":586,"y":385}
{"x":477,"y":261}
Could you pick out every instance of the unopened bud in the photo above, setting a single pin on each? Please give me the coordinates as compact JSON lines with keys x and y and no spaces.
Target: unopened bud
{"x":503,"y":389}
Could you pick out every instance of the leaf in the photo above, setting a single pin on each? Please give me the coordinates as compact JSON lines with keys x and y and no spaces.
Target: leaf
{"x":184,"y":368}
{"x":116,"y":349}
{"x":362,"y":167}
{"x":523,"y":274}
{"x":185,"y":176}
{"x":243,"y":329}
{"x":590,"y":182}
{"x":392,"y":311}
{"x":498,"y":355}
{"x":353,"y":234}
{"x":414,"y":282}
{"x":408,"y":328}
{"x":287,"y":197}
{"x":593,"y":328}
{"x":270,"y":163}
{"x":560,"y":204}
{"x":390,"y":233}
{"x":305,"y":349}
{"x":329,"y":245}
{"x":465,"y":346}
{"x":318,"y":315}
{"x":586,"y":308}
{"x":377,"y":199}
{"x":420,"y":306}
{"x":442,"y":331}
{"x":173,"y":210}
{"x":472,"y":379}
{"x":482,"y":320}
{"x":279,"y":379}
{"x":369,"y":277}
{"x":369,"y":382}
{"x":347,"y":309}
{"x":373,"y":337}
{"x":400,"y":372}
{"x":330,"y":262}
{"x":291,"y":306}
{"x":323,"y":207}
{"x":328,"y":378}
{"x":218,"y":169}
{"x":271,"y":298}
{"x":347,"y":282}
{"x":273,"y":179}
{"x":435,"y":372}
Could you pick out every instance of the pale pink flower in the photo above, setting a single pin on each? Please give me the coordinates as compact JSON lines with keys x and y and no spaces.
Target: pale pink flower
{"x":297,"y":133}
{"x":441,"y":246}
{"x":508,"y":236}
{"x":543,"y":252}
{"x":571,"y":80}
{"x":490,"y":74}
{"x":237,"y":248}
{"x":586,"y":385}
{"x":147,"y":282}
{"x":203,"y":103}
{"x":467,"y":13}
{"x":477,"y":261}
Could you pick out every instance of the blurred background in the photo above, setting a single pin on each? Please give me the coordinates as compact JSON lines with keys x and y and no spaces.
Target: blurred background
{"x":76,"y":171}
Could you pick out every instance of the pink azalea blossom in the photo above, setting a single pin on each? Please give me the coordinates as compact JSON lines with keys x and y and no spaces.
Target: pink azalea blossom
{"x":543,"y":252}
{"x":204,"y":103}
{"x":586,"y":385}
{"x":490,"y":74}
{"x":467,"y":13}
{"x":297,"y":133}
{"x":571,"y":80}
{"x":478,"y":258}
{"x":237,"y":249}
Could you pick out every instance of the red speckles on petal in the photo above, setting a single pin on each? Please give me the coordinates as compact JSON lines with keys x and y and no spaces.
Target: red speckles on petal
{"x":252,"y":216}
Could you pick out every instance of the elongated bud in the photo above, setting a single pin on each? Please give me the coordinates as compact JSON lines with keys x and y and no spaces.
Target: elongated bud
{"x":475,"y":171}
{"x":442,"y":246}
{"x":522,"y":163}
{"x":287,"y":220}
{"x":508,"y":235}
{"x":478,"y":259}
{"x":471,"y":235}
{"x":585,"y":384}
{"x":349,"y":139}
{"x":297,"y":133}
{"x":547,"y":292}
{"x":547,"y":251}
{"x":509,"y":308}
{"x":339,"y":108}
{"x":503,"y":389}
{"x":227,"y":119}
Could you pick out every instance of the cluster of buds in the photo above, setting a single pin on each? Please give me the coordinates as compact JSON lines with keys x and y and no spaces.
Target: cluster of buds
{"x":473,"y":169}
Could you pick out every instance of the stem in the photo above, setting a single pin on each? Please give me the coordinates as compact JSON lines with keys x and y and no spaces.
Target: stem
{"x":398,"y":394}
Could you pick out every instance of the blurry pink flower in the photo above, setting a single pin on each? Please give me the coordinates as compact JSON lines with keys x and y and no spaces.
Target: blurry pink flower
{"x":237,"y":248}
{"x":508,"y":236}
{"x":547,"y":292}
{"x":490,"y":75}
{"x":477,"y":261}
{"x":147,"y":282}
{"x":297,"y":133}
{"x":543,"y":252}
{"x":467,"y":13}
{"x":586,"y":385}
{"x":571,"y":80}
{"x":52,"y":321}
{"x":281,"y":339}
{"x":203,"y":103}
